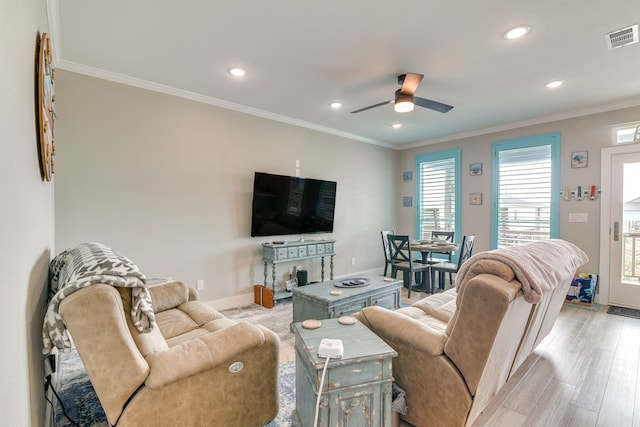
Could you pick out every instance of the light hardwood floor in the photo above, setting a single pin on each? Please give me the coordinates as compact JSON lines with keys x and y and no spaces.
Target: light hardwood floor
{"x":585,"y":373}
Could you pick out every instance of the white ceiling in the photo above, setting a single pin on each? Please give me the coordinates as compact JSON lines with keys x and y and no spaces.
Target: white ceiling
{"x":301,"y":55}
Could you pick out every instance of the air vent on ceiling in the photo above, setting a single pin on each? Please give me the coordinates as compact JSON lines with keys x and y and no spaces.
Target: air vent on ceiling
{"x":622,"y":37}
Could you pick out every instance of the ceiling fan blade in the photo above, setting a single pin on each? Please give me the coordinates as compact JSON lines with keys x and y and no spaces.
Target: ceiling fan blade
{"x":410,"y":83}
{"x":372,"y":106}
{"x":432,"y":105}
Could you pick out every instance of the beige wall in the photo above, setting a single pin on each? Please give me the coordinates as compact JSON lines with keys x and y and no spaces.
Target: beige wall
{"x":168,"y":182}
{"x":26,"y":218}
{"x":589,"y":133}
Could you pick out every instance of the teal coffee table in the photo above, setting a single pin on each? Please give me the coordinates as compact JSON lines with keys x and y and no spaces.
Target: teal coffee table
{"x":316,"y":301}
{"x":357,"y":388}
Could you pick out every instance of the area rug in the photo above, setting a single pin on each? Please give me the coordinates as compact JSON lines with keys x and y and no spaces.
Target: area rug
{"x":82,"y":405}
{"x":623,"y":311}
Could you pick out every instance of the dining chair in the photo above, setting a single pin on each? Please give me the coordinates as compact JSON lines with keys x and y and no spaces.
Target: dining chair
{"x":443,"y":256}
{"x":402,"y":259}
{"x":466,"y":250}
{"x":386,"y":248}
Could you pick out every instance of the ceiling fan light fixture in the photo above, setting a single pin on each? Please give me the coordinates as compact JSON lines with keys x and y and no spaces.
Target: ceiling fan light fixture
{"x":335,"y":105}
{"x":396,"y":125}
{"x":403,"y":104}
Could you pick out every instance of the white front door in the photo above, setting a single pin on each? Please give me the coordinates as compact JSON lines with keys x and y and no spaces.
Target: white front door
{"x":624,"y":237}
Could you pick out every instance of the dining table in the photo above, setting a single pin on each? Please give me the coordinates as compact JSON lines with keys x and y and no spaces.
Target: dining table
{"x":426,"y":248}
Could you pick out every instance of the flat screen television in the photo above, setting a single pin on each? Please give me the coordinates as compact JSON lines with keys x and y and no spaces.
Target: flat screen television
{"x":291,"y":205}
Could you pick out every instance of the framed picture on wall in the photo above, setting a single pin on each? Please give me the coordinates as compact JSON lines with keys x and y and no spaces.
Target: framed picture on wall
{"x":407,"y":176}
{"x":579,"y":159}
{"x":475,"y":169}
{"x":407,"y":201}
{"x":475,"y":198}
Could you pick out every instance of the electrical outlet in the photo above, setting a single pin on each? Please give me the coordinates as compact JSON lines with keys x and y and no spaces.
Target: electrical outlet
{"x":353,"y":260}
{"x":200,"y":285}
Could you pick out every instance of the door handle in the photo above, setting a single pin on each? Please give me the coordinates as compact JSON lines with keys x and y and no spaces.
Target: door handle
{"x":616,"y":231}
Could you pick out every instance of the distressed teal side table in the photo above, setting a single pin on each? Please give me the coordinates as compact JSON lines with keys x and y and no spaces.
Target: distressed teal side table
{"x":357,"y":388}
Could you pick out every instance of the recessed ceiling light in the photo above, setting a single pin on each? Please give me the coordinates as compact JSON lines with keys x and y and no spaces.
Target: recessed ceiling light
{"x":237,"y":72}
{"x":517,"y":32}
{"x":396,"y":125}
{"x":554,"y":84}
{"x":336,"y":105}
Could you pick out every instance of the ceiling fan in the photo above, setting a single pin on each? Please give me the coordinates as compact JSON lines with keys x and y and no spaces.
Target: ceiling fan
{"x":405,"y":98}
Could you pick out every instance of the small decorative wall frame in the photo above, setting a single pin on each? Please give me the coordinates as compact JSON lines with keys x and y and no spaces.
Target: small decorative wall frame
{"x":579,"y":159}
{"x":407,"y":202}
{"x":407,"y":176}
{"x":475,"y":198}
{"x":475,"y":169}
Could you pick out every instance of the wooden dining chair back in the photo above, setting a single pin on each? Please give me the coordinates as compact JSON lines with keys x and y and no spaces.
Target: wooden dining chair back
{"x":402,"y":259}
{"x":386,"y":248}
{"x":466,"y":250}
{"x":441,"y":256}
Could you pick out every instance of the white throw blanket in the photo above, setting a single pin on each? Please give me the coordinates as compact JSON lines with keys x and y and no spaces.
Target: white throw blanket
{"x":85,"y":265}
{"x":538,"y":266}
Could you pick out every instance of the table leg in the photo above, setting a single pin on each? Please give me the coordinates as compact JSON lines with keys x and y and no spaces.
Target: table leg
{"x":331,"y":268}
{"x":273,"y":273}
{"x":426,"y":274}
{"x":265,"y":273}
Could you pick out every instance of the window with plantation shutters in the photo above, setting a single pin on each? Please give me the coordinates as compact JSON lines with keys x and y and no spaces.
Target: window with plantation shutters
{"x":438,"y":193}
{"x":525,"y":190}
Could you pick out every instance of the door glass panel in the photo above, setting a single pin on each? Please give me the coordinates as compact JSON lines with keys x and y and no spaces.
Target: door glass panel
{"x":631,"y":225}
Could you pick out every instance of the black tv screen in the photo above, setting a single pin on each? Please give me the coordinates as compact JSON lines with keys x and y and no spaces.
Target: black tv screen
{"x":291,"y":205}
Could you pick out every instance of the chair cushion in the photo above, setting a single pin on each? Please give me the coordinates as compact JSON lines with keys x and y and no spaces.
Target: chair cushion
{"x":419,"y":315}
{"x":446,"y":266}
{"x":414,"y":265}
{"x":441,"y":306}
{"x":175,"y":322}
{"x":190,"y":320}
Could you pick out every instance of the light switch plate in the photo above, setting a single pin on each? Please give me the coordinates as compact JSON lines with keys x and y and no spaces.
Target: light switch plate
{"x":578,"y":217}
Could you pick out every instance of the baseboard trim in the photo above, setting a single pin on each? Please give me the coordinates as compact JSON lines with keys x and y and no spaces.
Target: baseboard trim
{"x":231,"y":302}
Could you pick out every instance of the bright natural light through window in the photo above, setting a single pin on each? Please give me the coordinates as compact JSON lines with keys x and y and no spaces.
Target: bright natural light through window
{"x":524,"y":203}
{"x":525,"y":190}
{"x":625,"y":135}
{"x":438,"y":203}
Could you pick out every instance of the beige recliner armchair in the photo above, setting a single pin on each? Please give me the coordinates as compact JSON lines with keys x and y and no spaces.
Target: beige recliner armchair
{"x":197,"y":368}
{"x":457,"y":349}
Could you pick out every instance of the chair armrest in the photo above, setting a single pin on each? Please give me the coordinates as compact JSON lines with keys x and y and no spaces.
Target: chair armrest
{"x":201,"y":354}
{"x":396,"y":327}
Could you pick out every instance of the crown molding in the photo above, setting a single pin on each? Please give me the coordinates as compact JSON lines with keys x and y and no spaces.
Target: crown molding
{"x":169,"y":90}
{"x":632,"y":102}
